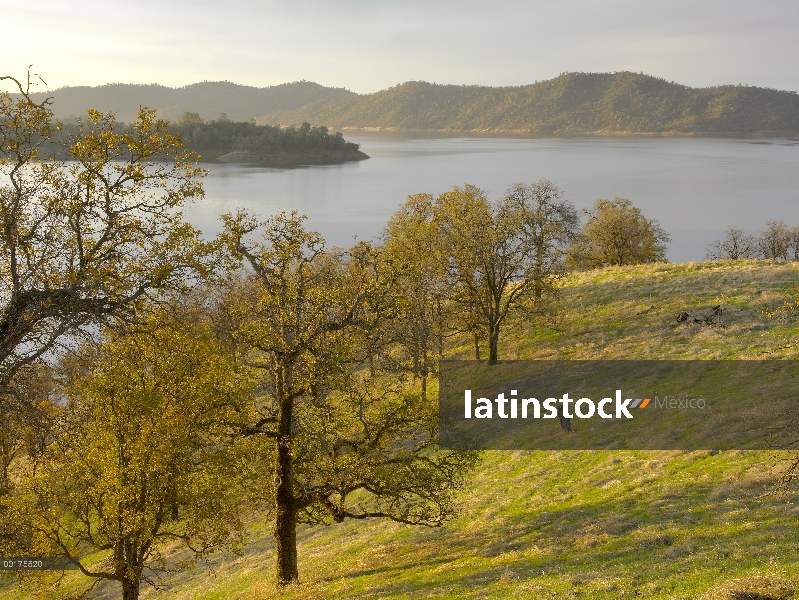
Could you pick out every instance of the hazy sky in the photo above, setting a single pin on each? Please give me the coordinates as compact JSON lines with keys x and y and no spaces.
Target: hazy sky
{"x":368,"y":45}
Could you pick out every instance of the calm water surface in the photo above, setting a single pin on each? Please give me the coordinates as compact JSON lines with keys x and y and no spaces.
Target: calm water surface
{"x":694,"y":187}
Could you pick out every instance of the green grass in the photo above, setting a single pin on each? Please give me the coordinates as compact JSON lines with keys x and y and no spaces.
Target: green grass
{"x":631,"y":312}
{"x":574,"y":524}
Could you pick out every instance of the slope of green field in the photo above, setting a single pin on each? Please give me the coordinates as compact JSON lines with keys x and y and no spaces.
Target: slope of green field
{"x":574,"y":524}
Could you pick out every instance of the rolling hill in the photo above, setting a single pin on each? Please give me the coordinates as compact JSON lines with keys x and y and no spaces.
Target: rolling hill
{"x":208,"y":98}
{"x":570,"y":524}
{"x":571,"y":104}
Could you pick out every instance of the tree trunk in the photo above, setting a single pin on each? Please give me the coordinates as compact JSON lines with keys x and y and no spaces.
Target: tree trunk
{"x":476,"y":345}
{"x":130,"y":589}
{"x":5,"y":482}
{"x":285,"y":533}
{"x":285,"y":515}
{"x":538,"y":271}
{"x":441,"y":330}
{"x":493,"y":343}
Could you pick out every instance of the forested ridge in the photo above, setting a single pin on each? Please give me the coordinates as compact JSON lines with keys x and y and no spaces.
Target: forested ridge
{"x":571,"y":104}
{"x":208,"y":98}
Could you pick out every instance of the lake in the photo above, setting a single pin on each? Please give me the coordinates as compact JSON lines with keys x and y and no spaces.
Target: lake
{"x":694,"y":187}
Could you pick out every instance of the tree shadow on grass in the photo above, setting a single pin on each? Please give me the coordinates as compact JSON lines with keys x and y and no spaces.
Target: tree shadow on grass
{"x":678,"y":539}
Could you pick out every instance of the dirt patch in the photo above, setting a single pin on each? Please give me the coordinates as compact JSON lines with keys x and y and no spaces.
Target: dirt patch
{"x":753,"y":588}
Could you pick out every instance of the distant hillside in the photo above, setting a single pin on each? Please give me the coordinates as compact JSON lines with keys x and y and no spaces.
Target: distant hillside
{"x":209,"y":99}
{"x":572,"y":104}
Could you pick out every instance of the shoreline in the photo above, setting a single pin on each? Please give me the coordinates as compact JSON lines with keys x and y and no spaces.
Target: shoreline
{"x":793,"y":135}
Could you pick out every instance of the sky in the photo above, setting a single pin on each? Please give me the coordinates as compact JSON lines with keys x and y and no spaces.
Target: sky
{"x":369,"y":45}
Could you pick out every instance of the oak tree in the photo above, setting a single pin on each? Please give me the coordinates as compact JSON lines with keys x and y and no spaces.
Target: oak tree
{"x":422,"y":317}
{"x":616,"y":233}
{"x":138,"y":459}
{"x":735,"y":244}
{"x":85,"y":240}
{"x":488,"y":257}
{"x":775,"y":242}
{"x":347,"y":440}
{"x":548,"y":223}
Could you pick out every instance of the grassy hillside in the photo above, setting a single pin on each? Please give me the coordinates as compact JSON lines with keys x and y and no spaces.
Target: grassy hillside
{"x":576,"y":524}
{"x":208,"y":98}
{"x":572,"y":104}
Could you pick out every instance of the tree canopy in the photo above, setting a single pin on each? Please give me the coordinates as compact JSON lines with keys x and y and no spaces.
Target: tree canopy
{"x":136,"y":460}
{"x":349,"y":440}
{"x":617,"y":233}
{"x":479,"y":260}
{"x":219,"y":137}
{"x":777,"y":242}
{"x":86,"y":240}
